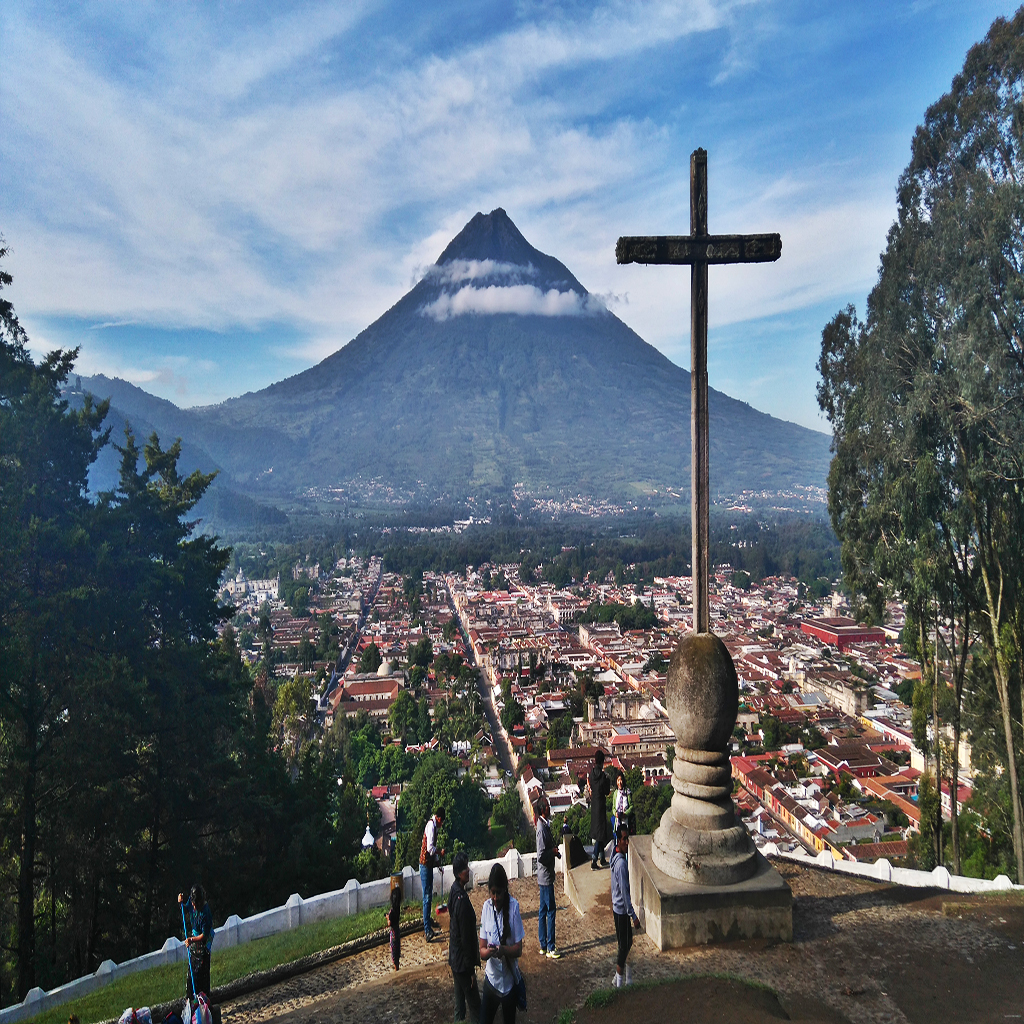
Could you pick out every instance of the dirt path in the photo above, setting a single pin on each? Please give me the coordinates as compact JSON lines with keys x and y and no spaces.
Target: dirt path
{"x":862,"y":953}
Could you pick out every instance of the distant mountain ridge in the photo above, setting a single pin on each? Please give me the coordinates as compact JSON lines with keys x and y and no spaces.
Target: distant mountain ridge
{"x":496,"y":369}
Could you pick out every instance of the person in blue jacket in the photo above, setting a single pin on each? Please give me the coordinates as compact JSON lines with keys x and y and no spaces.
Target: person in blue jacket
{"x":622,"y":907}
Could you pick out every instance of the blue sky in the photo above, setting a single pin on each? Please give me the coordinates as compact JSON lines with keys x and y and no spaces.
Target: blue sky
{"x":209,"y":197}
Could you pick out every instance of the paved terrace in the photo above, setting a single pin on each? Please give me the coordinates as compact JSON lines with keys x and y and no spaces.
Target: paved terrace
{"x":863,"y":953}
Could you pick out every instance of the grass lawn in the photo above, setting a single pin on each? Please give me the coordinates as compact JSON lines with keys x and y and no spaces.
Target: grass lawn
{"x":498,"y":837}
{"x":161,"y":984}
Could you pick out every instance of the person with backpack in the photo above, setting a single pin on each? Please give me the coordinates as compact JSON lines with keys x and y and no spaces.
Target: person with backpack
{"x":501,"y":945}
{"x":430,"y":857}
{"x":622,"y":907}
{"x":547,"y":852}
{"x":463,"y":944}
{"x":198,"y":940}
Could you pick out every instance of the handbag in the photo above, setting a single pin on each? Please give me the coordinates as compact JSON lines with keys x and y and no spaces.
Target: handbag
{"x":519,"y":986}
{"x":201,"y":1013}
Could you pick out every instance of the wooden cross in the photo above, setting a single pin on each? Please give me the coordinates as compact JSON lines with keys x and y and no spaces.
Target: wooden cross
{"x":698,"y":249}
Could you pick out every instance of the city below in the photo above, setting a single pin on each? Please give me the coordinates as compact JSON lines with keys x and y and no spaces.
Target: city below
{"x":823,"y":754}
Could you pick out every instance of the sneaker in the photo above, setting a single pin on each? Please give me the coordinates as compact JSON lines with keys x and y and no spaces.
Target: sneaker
{"x":553,"y":954}
{"x":429,"y":936}
{"x":617,"y":980}
{"x":593,"y":865}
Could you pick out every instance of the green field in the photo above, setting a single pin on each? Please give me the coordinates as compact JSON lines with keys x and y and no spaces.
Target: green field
{"x":161,"y":984}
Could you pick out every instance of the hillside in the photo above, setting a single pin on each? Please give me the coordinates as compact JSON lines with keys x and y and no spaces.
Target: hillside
{"x":496,"y":369}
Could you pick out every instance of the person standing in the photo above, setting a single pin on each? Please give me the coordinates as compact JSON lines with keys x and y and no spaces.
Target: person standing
{"x":394,"y":919}
{"x":463,"y":944}
{"x":501,"y":944}
{"x":547,"y":852}
{"x":198,"y":940}
{"x":598,"y":788}
{"x":622,"y":806}
{"x":430,"y":857}
{"x":622,"y":907}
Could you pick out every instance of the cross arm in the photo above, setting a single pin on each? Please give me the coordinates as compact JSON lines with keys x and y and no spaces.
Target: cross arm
{"x":688,"y":249}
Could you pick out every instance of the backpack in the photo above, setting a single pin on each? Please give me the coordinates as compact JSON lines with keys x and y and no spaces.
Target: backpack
{"x":547,"y":857}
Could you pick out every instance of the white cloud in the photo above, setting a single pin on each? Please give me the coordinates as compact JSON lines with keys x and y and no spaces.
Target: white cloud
{"x":180,"y":378}
{"x":277,"y":46}
{"x":161,"y":202}
{"x":524,"y":299}
{"x":107,"y":324}
{"x":455,"y":271}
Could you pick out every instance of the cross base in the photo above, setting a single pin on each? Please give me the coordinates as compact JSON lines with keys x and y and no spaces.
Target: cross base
{"x":674,"y":913}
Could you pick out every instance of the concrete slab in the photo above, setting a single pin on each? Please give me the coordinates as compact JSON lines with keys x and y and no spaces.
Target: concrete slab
{"x":589,"y":890}
{"x":675,"y":913}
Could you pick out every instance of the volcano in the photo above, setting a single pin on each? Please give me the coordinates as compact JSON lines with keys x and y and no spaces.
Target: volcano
{"x":497,"y":370}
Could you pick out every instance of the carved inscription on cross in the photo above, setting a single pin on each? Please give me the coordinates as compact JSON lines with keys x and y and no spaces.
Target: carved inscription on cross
{"x":698,"y":249}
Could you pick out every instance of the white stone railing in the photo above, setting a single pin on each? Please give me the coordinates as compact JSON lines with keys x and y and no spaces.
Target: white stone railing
{"x":883,"y":871}
{"x":236,"y":931}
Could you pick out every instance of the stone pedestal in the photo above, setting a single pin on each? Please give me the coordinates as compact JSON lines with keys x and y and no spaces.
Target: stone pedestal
{"x":699,"y":878}
{"x":675,"y":913}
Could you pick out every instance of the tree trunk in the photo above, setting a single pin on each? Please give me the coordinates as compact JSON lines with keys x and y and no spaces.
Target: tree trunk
{"x":53,"y":918}
{"x":75,"y":927}
{"x":959,"y":655}
{"x":94,"y":923}
{"x":1017,"y":638}
{"x":993,"y":613}
{"x":154,"y":854}
{"x":26,"y":881}
{"x":954,"y":786}
{"x":936,"y":680}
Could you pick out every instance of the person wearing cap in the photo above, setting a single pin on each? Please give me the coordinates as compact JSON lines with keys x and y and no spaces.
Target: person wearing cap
{"x":463,"y":943}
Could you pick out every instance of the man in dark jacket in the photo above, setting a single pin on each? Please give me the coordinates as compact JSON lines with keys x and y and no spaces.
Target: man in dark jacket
{"x":463,"y":944}
{"x":599,"y":788}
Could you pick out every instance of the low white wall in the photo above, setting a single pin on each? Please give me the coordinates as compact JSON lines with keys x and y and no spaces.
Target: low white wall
{"x":236,"y":931}
{"x":883,"y":871}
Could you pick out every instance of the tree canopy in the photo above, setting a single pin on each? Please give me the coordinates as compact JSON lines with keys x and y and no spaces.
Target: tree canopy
{"x":926,"y":401}
{"x":138,"y":754}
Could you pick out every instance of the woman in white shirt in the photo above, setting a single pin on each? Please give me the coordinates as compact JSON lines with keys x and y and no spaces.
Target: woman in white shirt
{"x":501,"y":945}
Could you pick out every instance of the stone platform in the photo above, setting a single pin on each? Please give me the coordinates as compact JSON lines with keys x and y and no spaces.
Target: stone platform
{"x":675,"y":913}
{"x":587,"y":890}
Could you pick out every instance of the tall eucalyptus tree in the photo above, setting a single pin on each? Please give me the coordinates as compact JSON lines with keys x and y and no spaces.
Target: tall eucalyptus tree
{"x":926,"y":397}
